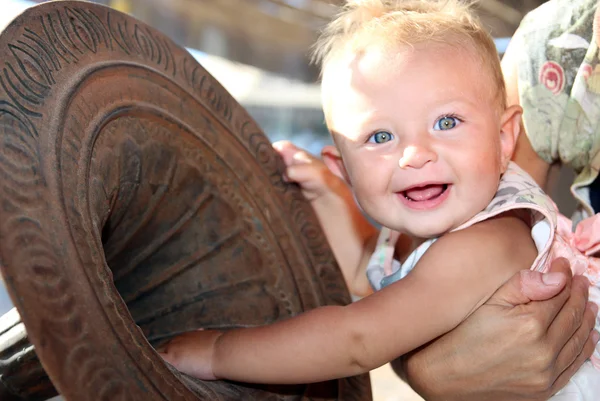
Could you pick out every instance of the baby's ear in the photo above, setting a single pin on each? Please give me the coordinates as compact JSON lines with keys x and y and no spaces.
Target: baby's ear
{"x":333,"y":160}
{"x":510,"y":127}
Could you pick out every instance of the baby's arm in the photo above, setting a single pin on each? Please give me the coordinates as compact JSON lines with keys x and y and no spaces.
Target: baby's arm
{"x":351,"y":237}
{"x":458,"y":273}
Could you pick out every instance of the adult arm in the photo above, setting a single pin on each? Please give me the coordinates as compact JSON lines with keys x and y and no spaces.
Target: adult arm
{"x":525,"y":156}
{"x":523,"y":344}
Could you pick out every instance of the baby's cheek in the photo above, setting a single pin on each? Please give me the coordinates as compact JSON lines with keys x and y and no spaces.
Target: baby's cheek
{"x":485,"y":178}
{"x":486,"y":165}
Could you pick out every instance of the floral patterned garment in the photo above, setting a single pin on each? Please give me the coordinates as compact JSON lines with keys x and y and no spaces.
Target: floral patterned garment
{"x":559,"y":89}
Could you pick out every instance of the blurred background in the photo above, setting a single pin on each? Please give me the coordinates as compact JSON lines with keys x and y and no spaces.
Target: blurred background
{"x":259,"y":51}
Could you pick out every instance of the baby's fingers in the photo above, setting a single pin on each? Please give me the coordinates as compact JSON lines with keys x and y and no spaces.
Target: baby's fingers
{"x":286,"y":150}
{"x":167,"y":357}
{"x":291,"y":154}
{"x":315,"y":179}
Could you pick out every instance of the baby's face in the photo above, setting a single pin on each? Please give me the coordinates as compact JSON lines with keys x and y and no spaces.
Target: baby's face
{"x":419,"y":133}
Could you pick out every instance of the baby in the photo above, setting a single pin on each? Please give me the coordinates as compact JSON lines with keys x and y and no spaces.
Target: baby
{"x":415,"y":101}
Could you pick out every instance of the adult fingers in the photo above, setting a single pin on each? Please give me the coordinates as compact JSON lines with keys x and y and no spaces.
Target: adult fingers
{"x":542,"y":286}
{"x":526,"y":286}
{"x":561,"y":265}
{"x":564,"y":377}
{"x":578,"y":345}
{"x":547,"y":311}
{"x":571,"y":316}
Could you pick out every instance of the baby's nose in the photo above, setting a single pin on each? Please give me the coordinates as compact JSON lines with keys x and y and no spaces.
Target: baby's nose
{"x":416,"y":157}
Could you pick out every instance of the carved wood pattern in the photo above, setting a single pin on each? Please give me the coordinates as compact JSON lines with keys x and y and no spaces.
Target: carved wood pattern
{"x":134,"y":190}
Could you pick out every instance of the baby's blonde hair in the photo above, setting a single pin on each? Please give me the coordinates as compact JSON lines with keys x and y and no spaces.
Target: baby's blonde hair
{"x":410,"y":22}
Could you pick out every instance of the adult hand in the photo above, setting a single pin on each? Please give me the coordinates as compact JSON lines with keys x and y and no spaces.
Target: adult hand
{"x":524,"y":343}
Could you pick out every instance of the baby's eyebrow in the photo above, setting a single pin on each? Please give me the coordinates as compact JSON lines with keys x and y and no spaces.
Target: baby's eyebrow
{"x":468,"y":102}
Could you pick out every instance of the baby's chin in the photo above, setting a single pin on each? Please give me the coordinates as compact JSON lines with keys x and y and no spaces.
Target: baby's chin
{"x":427,"y":231}
{"x":422,"y":236}
{"x":432,"y":227}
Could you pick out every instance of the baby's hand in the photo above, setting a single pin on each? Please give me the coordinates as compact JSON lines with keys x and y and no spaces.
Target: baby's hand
{"x":313,"y":176}
{"x":192,"y":353}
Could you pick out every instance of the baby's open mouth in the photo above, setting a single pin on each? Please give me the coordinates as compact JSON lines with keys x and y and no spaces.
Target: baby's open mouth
{"x":425,"y":193}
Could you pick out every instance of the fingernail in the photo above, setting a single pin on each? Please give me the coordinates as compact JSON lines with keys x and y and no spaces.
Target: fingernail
{"x":302,"y":157}
{"x":552,"y":278}
{"x":279,"y":144}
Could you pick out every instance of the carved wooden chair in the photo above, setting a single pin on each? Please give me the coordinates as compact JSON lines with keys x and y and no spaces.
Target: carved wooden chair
{"x":138,"y":200}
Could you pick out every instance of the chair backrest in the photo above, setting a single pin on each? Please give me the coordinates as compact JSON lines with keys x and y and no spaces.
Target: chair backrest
{"x":138,"y":200}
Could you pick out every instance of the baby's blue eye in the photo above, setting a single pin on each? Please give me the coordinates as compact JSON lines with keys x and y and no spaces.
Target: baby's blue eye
{"x":446,"y":123}
{"x":381,"y":137}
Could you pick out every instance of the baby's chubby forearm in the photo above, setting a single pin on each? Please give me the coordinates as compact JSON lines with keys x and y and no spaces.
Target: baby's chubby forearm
{"x":315,"y":346}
